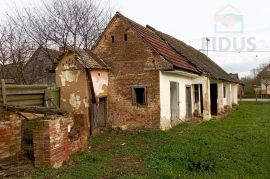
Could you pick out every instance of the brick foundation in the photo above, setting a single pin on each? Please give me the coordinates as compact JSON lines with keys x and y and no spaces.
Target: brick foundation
{"x":10,"y":135}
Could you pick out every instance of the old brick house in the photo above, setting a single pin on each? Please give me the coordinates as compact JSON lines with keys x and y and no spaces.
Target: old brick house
{"x":157,"y":81}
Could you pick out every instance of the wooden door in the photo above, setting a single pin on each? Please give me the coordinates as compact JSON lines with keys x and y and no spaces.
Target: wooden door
{"x":188,"y":103}
{"x":99,"y":115}
{"x":174,"y":100}
{"x":213,"y":98}
{"x":102,"y":113}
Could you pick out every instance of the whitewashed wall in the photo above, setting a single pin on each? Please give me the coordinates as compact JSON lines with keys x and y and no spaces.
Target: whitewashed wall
{"x":183,"y":79}
{"x":234,"y":93}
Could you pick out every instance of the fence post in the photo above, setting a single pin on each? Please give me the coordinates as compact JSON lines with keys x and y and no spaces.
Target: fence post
{"x":48,"y":98}
{"x":4,"y":94}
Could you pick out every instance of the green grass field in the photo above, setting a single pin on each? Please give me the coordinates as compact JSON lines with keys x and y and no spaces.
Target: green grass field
{"x":236,"y":147}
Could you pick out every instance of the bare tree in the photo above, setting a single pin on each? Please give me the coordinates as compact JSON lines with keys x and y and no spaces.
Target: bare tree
{"x":54,"y":23}
{"x":64,"y":23}
{"x":15,"y":49}
{"x":4,"y":54}
{"x":264,"y":75}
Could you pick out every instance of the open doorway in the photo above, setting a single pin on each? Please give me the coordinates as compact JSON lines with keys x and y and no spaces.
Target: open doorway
{"x":201,"y":98}
{"x":213,"y":98}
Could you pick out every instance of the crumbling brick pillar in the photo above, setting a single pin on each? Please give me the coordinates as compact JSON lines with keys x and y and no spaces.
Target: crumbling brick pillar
{"x":10,"y":135}
{"x":51,"y":146}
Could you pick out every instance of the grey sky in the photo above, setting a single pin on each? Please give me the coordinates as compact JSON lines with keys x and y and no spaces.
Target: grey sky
{"x":192,"y":20}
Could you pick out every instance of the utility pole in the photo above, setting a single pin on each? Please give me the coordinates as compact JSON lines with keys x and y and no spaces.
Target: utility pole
{"x":207,"y":43}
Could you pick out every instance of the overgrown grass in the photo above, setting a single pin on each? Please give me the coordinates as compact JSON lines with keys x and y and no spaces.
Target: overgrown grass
{"x":236,"y":147}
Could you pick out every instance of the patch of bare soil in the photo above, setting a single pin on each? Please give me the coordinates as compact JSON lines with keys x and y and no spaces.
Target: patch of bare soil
{"x":15,"y":167}
{"x":124,"y":164}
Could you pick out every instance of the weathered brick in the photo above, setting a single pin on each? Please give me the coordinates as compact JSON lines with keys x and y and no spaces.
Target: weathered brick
{"x":129,"y":61}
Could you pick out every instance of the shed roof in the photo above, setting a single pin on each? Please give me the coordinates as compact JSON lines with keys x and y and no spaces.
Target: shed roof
{"x":90,"y":60}
{"x":236,"y":77}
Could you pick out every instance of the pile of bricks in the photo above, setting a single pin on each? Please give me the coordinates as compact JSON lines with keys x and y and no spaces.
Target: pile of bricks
{"x":10,"y":135}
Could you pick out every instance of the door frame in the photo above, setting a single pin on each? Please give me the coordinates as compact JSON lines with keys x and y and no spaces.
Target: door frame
{"x":213,"y":109}
{"x":188,"y":113}
{"x":178,"y":107}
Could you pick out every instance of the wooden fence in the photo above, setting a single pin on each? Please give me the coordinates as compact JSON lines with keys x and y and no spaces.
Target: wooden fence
{"x":28,"y":95}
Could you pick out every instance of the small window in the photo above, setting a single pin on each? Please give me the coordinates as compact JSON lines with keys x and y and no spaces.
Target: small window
{"x":112,"y":39}
{"x":196,"y":93}
{"x":125,"y":36}
{"x":139,"y":95}
{"x":224,"y":92}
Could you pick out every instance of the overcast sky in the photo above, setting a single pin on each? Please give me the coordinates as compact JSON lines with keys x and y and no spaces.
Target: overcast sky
{"x":193,"y":20}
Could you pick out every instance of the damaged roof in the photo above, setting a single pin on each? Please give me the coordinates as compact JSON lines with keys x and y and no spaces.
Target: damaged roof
{"x":178,"y":53}
{"x":160,"y":46}
{"x":48,"y":53}
{"x":90,"y":60}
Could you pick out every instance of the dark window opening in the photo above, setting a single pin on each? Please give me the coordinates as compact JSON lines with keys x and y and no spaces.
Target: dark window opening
{"x":139,"y":95}
{"x":196,"y":93}
{"x":112,"y":39}
{"x":125,"y":37}
{"x":224,"y":92}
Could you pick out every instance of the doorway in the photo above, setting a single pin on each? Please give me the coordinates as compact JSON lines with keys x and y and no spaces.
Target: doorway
{"x":201,"y":98}
{"x":99,"y":115}
{"x":188,"y":103}
{"x":174,"y":101}
{"x":213,"y":98}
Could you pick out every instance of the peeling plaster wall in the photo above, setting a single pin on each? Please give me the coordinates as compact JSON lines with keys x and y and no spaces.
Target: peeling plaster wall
{"x":206,"y":95}
{"x":235,"y":93}
{"x":165,"y":113}
{"x":229,"y":94}
{"x":100,"y":82}
{"x":74,"y":94}
{"x":221,"y":99}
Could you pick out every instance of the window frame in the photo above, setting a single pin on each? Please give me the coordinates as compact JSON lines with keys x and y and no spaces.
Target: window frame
{"x":134,"y":96}
{"x":224,"y":92}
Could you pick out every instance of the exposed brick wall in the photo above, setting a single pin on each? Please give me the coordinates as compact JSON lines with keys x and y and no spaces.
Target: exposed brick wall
{"x":10,"y":135}
{"x":130,"y":61}
{"x":52,"y":145}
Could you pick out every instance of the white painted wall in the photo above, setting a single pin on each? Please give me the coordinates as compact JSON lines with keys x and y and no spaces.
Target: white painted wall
{"x":234,"y":93}
{"x":183,"y":79}
{"x":221,"y":98}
